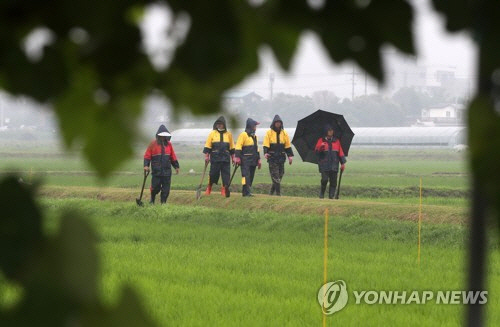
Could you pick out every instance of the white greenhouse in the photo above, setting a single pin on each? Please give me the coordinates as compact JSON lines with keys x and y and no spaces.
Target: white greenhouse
{"x":364,"y":136}
{"x":449,"y":136}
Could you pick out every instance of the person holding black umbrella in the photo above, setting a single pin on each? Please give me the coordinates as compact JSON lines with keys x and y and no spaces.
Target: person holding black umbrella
{"x":330,"y":153}
{"x":276,"y":149}
{"x":316,"y":145}
{"x":247,"y":155}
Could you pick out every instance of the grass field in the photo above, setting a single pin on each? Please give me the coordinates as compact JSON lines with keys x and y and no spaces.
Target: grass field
{"x":370,"y":173}
{"x":259,"y":261}
{"x":200,"y":266}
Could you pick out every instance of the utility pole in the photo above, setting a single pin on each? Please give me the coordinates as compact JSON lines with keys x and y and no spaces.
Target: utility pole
{"x":467,"y":91}
{"x":353,"y":82}
{"x":2,"y":119}
{"x":271,"y":81}
{"x":366,"y":83}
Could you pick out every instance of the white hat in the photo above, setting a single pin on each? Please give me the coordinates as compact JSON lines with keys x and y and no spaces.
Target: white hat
{"x":164,"y":134}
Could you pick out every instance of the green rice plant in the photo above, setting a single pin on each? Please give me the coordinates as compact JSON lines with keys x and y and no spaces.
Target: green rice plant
{"x":200,"y":266}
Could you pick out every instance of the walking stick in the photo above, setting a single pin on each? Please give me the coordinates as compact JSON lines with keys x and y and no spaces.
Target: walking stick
{"x":139,"y":200}
{"x":338,"y":186}
{"x":198,"y":190}
{"x":227,"y":187}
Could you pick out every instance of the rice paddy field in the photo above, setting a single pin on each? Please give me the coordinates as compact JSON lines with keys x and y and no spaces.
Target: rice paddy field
{"x":259,"y":261}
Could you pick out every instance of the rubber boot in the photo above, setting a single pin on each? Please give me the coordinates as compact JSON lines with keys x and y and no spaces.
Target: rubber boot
{"x":209,"y":189}
{"x":152,"y":201}
{"x":163,"y":200}
{"x":278,"y":189}
{"x":331,"y":192}
{"x":273,"y":188}
{"x":246,"y":190}
{"x":322,"y":192}
{"x":249,"y":191}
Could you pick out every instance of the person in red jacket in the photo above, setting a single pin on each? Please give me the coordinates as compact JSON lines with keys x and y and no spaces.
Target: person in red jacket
{"x":160,"y":154}
{"x":329,"y":153}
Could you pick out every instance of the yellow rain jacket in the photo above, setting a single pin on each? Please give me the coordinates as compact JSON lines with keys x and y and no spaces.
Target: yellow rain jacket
{"x":219,"y":144}
{"x":277,"y":143}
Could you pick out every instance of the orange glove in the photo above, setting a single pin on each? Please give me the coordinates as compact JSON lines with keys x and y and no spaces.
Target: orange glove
{"x":342,"y":167}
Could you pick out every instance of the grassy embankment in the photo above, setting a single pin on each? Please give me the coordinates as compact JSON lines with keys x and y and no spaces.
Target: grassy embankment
{"x":380,"y":175}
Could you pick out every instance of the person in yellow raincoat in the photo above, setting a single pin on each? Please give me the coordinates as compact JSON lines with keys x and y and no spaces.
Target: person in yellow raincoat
{"x":219,"y":151}
{"x":277,"y":148}
{"x":247,"y":155}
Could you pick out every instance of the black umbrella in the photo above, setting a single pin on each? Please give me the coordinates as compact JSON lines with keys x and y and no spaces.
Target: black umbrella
{"x":311,"y":128}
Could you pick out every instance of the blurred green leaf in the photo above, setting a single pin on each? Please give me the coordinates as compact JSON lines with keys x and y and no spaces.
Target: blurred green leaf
{"x":482,"y":20}
{"x":484,"y":136}
{"x":60,"y":279}
{"x":459,"y":13}
{"x":77,"y":260}
{"x":106,"y":130}
{"x":128,"y":312}
{"x":41,"y":79}
{"x":20,"y":229}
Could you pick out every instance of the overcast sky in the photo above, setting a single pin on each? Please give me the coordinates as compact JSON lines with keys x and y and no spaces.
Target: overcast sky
{"x":312,"y":70}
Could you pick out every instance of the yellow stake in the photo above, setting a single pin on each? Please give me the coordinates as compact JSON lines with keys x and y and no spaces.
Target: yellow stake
{"x":325,"y":260}
{"x":419,"y":221}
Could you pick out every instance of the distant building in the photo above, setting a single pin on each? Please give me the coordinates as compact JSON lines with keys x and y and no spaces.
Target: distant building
{"x":455,"y":87}
{"x":408,"y":72}
{"x":446,"y":115}
{"x":240,"y":98}
{"x":405,"y":72}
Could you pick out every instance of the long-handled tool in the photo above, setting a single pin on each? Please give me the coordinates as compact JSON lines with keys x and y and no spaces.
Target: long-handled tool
{"x":228,"y":193}
{"x":139,"y":200}
{"x":198,"y":190}
{"x":338,"y":185}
